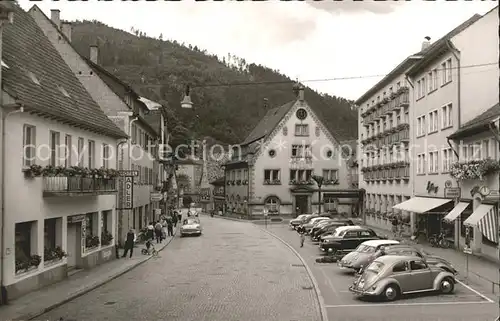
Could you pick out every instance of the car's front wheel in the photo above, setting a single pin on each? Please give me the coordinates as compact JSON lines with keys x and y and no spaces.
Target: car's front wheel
{"x":391,"y":292}
{"x":447,"y":285}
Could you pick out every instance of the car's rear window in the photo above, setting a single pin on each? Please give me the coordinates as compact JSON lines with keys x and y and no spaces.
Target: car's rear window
{"x":375,"y":267}
{"x":365,"y":249}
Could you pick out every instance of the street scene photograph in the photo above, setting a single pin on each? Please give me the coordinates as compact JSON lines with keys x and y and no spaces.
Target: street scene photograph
{"x":250,"y":160}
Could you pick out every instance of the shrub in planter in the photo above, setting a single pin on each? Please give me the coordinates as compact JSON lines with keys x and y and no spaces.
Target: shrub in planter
{"x":106,"y":238}
{"x":91,"y":241}
{"x":25,"y":265}
{"x":53,"y":254}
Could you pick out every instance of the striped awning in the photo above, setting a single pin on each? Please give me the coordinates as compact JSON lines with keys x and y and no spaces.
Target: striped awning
{"x":486,"y":220}
{"x":456,"y":211}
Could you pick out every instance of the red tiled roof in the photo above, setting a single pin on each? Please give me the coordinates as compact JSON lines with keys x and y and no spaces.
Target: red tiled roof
{"x":28,"y":52}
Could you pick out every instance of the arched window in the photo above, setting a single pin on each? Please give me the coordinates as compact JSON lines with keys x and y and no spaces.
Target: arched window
{"x":273,"y":204}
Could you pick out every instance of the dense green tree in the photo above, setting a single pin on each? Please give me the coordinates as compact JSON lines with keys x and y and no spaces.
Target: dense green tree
{"x":160,"y":70}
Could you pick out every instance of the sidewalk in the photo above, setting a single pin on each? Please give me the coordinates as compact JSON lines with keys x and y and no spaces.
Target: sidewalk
{"x":481,"y":271}
{"x":38,"y":302}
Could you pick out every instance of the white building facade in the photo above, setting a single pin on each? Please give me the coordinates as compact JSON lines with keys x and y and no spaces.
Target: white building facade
{"x":58,"y":166}
{"x":124,"y":106}
{"x":273,"y":170}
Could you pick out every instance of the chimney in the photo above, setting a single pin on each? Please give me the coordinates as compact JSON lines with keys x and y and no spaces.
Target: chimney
{"x":266,"y":103}
{"x":66,"y":30}
{"x":94,"y":53}
{"x":55,"y":16}
{"x":426,"y":43}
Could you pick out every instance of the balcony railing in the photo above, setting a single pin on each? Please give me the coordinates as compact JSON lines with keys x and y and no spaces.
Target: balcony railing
{"x":76,"y":185}
{"x":400,"y":99}
{"x":393,"y":171}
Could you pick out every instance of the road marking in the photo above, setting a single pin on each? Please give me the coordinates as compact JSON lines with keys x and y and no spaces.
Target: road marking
{"x":475,"y":291}
{"x":328,"y":282}
{"x":403,"y":304}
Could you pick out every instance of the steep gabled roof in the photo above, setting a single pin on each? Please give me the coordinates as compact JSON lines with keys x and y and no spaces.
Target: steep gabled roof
{"x":268,"y":122}
{"x":39,"y":78}
{"x":440,"y":46}
{"x":478,"y":124}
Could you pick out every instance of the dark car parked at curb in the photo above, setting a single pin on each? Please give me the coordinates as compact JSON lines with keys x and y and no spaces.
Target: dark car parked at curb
{"x":328,"y":227}
{"x":403,"y":249}
{"x":346,"y":239}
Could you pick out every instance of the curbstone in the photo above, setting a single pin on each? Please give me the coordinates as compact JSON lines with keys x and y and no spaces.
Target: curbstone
{"x":85,"y":290}
{"x":321,"y":303}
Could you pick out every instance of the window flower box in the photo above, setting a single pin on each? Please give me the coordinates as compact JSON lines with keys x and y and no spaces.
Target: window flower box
{"x":476,"y":169}
{"x":331,"y":182}
{"x":245,"y":182}
{"x":61,"y":171}
{"x":55,"y":254}
{"x":238,"y":182}
{"x":92,"y":241}
{"x":106,"y":238}
{"x":29,"y":264}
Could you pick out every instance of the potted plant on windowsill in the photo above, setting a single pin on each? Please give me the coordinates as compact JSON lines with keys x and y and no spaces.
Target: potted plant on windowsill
{"x":31,"y":263}
{"x":55,"y":254}
{"x":245,"y":182}
{"x":238,"y":182}
{"x":106,"y":238}
{"x":276,"y":182}
{"x":92,"y":241}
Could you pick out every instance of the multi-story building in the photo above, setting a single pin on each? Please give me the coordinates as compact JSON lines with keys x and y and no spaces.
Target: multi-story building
{"x":384,"y":133}
{"x":59,"y":161}
{"x":435,"y":79}
{"x":272,"y":170}
{"x":218,"y":195}
{"x":121,"y":104}
{"x":476,"y":142}
{"x":189,"y":175}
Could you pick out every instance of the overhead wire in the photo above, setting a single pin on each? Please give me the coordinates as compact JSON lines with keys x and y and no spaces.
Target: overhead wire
{"x":250,"y":83}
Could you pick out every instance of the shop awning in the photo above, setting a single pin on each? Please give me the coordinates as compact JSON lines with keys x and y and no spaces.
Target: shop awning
{"x":456,"y":211}
{"x":421,"y":204}
{"x":486,"y":220}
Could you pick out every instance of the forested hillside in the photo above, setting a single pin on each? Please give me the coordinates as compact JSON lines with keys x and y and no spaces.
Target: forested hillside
{"x":159,"y":70}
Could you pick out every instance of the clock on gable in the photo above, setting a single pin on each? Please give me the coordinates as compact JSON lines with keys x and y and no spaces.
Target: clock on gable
{"x":301,"y":114}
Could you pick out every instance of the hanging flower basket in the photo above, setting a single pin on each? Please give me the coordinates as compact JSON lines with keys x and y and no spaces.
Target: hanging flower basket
{"x":476,"y":169}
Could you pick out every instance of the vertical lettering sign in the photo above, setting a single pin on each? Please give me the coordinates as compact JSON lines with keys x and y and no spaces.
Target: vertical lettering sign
{"x":129,"y":192}
{"x":126,"y":189}
{"x":84,"y":234}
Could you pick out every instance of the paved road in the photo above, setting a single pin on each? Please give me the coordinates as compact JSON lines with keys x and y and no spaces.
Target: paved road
{"x":468,"y":303}
{"x":234,"y":272}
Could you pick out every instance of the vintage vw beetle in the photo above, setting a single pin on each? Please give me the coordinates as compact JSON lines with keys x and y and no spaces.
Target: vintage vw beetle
{"x":392,"y":276}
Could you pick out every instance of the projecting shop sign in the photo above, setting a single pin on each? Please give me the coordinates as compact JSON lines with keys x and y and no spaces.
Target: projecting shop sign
{"x":126,"y":193}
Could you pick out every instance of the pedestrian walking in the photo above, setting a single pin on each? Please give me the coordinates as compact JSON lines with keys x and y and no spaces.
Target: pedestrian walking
{"x":395,"y":224}
{"x":150,"y":231}
{"x":129,"y":243}
{"x":302,"y":235}
{"x":179,"y":216}
{"x":170,"y":227}
{"x":158,"y":232}
{"x":174,"y":220}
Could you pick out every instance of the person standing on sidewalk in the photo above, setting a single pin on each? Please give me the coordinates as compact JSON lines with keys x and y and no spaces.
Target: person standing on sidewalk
{"x":158,"y":232}
{"x":395,"y":226}
{"x":129,"y":243}
{"x":170,"y":227}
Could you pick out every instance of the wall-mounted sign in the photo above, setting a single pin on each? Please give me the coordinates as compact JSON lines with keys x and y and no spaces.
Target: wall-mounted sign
{"x":126,"y":172}
{"x":452,"y":192}
{"x":484,"y":190}
{"x":76,"y":218}
{"x":447,"y":184}
{"x":155,"y":197}
{"x":431,"y":188}
{"x":125,"y":193}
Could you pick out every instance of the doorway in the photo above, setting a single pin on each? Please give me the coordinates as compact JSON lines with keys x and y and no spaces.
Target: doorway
{"x":74,"y":246}
{"x":301,"y":204}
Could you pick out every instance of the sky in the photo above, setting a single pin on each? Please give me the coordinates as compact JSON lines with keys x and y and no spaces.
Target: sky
{"x":306,"y":40}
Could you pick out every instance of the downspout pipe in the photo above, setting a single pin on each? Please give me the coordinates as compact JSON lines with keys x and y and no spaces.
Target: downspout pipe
{"x":412,"y":85}
{"x":117,"y":236}
{"x":20,"y":109}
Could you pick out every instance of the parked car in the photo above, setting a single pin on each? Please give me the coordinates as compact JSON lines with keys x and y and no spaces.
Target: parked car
{"x":191,"y":226}
{"x":402,"y":249}
{"x":363,"y":254}
{"x":299,"y":220}
{"x":392,"y":276}
{"x":310,"y":225}
{"x":346,"y":239}
{"x":323,"y":227}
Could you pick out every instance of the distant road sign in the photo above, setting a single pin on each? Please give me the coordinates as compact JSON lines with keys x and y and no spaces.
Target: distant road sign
{"x":126,"y":172}
{"x":452,"y":192}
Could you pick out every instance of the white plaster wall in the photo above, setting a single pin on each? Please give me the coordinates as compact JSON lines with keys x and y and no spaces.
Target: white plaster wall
{"x":445,"y":94}
{"x":478,"y":45}
{"x":320,"y":145}
{"x":23,"y":196}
